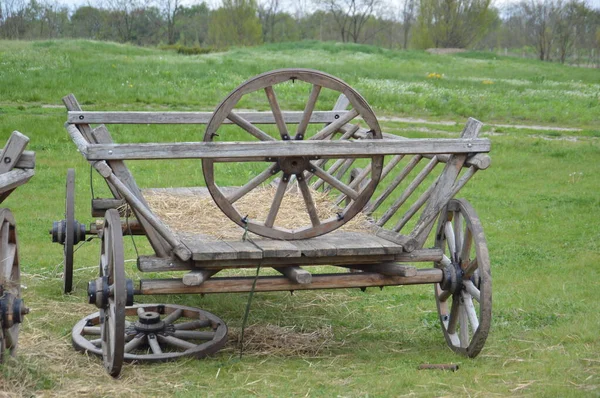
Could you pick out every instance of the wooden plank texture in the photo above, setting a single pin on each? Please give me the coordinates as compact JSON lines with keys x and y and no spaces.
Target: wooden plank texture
{"x":253,"y":151}
{"x":282,"y":283}
{"x":80,"y":117}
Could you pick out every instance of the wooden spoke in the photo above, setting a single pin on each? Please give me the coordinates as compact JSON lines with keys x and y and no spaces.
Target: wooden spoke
{"x":459,"y":233}
{"x":335,"y":126}
{"x":191,"y":335}
{"x":92,"y":330}
{"x":173,"y":316}
{"x":154,"y":345}
{"x":308,"y":200}
{"x":450,"y":239}
{"x":465,"y":250}
{"x":135,"y":343}
{"x":308,"y":110}
{"x":472,"y":289}
{"x":470,"y":311}
{"x":253,"y":183}
{"x":453,"y":317}
{"x":249,"y":127}
{"x":463,"y":331}
{"x":281,"y":188}
{"x":470,"y":269}
{"x":279,"y":120}
{"x":334,"y":182}
{"x":192,"y":325}
{"x":176,"y":342}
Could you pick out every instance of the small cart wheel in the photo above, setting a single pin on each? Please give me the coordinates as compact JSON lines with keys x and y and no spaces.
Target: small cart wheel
{"x":466,"y":264}
{"x":301,"y":168}
{"x":12,"y":308}
{"x":158,"y":332}
{"x":113,"y":294}
{"x":69,"y":232}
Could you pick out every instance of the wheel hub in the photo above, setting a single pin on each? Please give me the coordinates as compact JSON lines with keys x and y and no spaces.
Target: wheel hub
{"x":12,"y":310}
{"x":293,"y":165}
{"x":149,"y":322}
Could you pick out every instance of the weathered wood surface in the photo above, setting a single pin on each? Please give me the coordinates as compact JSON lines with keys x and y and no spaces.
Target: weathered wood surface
{"x":253,"y":151}
{"x":282,"y":283}
{"x":392,"y":269}
{"x":14,"y":178}
{"x":296,"y":274}
{"x":157,"y":264}
{"x":12,"y":151}
{"x":80,"y":117}
{"x":480,"y":160}
{"x":197,"y":277}
{"x":25,"y":161}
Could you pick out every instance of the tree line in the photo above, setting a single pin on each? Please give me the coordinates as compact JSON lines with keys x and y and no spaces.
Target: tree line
{"x":551,"y":29}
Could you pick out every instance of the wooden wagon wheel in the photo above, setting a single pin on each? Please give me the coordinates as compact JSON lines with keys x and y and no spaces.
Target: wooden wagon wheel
{"x":181,"y":332}
{"x":12,"y":308}
{"x":288,"y":168}
{"x":69,"y":232}
{"x":111,"y":293}
{"x":466,"y":262}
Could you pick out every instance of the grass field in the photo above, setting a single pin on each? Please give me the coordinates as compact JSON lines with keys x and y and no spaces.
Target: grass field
{"x":539,"y":206}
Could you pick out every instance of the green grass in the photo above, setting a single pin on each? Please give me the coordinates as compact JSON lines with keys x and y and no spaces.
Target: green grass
{"x":538,"y":203}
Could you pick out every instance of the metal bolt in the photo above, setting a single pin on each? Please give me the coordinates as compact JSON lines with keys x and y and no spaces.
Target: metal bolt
{"x":469,"y":145}
{"x":336,"y":117}
{"x":300,"y":137}
{"x":7,"y":160}
{"x":110,"y":152}
{"x":81,"y":117}
{"x":285,"y":137}
{"x":312,"y":170}
{"x":274,"y":171}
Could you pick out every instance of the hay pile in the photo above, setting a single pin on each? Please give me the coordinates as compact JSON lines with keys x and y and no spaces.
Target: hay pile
{"x":198,"y":214}
{"x":281,"y":341}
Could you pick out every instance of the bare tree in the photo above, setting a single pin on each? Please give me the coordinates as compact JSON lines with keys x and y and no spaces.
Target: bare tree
{"x":351,"y":15}
{"x":407,"y":16}
{"x":170,"y":10}
{"x":267,"y":13}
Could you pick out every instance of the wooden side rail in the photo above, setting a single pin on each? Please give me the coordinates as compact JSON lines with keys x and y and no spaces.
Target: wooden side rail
{"x":253,"y":151}
{"x":77,"y":117}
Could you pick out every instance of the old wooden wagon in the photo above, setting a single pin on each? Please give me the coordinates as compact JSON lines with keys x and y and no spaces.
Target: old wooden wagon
{"x":399,"y":187}
{"x":16,"y":168}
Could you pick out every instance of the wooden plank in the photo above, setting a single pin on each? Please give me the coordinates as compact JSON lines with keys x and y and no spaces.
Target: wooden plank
{"x":12,"y":151}
{"x":292,"y":117}
{"x":156,"y":264}
{"x":253,"y":151}
{"x":272,"y":97}
{"x":276,"y":248}
{"x":282,"y":283}
{"x":14,"y":178}
{"x":354,"y":244}
{"x":296,"y":274}
{"x":315,"y":247}
{"x":249,"y":127}
{"x":245,"y":250}
{"x":197,"y":277}
{"x":392,"y":269}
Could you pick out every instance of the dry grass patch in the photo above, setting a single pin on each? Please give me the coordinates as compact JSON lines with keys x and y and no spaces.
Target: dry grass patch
{"x":198,"y":214}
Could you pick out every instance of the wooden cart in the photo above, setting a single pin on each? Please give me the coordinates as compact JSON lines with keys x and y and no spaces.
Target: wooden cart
{"x":341,"y":151}
{"x":16,"y":168}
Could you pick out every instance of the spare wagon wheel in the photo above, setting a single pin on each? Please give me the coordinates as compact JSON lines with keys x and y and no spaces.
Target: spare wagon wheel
{"x":12,"y":308}
{"x":293,"y":167}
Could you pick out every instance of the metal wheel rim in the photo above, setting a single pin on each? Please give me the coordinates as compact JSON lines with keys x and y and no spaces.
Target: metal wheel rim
{"x":270,"y":79}
{"x":69,"y":232}
{"x":471,"y":231}
{"x":10,"y":278}
{"x":112,"y":266}
{"x":87,"y":327}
